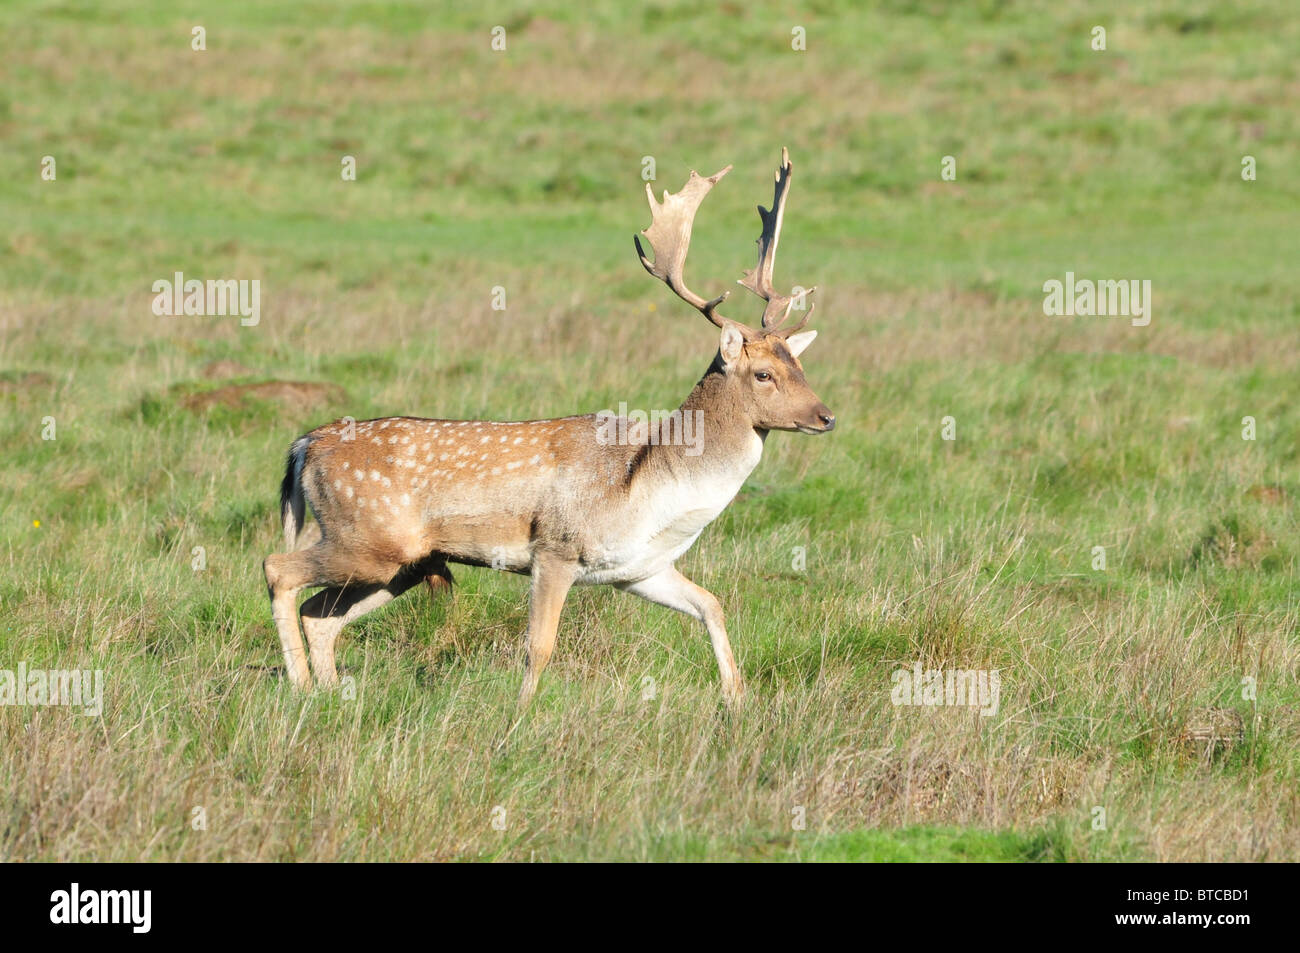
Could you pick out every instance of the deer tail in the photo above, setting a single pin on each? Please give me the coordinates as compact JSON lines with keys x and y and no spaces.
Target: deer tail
{"x":292,"y":504}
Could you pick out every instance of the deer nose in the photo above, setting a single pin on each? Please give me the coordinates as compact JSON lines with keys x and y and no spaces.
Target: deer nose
{"x":824,"y":417}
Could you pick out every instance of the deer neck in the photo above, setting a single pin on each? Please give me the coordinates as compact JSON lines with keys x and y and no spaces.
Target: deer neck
{"x":724,"y":446}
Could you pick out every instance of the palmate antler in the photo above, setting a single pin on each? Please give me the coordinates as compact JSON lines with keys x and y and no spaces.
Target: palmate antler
{"x":669,"y":235}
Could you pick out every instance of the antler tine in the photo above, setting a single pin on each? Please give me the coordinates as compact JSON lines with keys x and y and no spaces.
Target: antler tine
{"x":785,"y":332}
{"x":759,"y":280}
{"x":669,"y":235}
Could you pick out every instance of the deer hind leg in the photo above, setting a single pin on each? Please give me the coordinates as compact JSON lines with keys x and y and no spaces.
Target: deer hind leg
{"x":287,"y":574}
{"x":323,"y":564}
{"x":670,"y":588}
{"x":552,"y":579}
{"x":326,"y":613}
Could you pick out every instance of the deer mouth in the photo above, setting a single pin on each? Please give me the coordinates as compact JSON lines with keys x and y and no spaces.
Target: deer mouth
{"x":823,"y":422}
{"x":804,"y":428}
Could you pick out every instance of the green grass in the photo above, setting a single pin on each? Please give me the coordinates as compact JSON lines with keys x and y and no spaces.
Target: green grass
{"x":916,"y":844}
{"x":478,"y":169}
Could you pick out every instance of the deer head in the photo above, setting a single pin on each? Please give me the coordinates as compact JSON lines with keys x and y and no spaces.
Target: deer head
{"x":760,"y":365}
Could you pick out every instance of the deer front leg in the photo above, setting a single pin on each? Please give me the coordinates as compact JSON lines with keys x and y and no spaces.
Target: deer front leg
{"x":552,"y":579}
{"x":670,"y":588}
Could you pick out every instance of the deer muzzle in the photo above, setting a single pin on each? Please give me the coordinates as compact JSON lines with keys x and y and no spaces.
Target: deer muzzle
{"x":821,"y":420}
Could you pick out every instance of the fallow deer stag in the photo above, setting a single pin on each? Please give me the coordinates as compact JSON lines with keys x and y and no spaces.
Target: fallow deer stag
{"x":399,"y":498}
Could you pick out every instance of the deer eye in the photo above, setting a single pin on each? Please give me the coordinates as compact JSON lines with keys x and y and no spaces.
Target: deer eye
{"x":762,"y":376}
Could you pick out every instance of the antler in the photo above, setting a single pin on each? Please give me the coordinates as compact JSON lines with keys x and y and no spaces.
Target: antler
{"x":759,"y":280}
{"x":670,"y":237}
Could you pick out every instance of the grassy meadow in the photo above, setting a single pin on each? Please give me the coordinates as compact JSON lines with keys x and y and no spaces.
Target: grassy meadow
{"x":522,"y":169}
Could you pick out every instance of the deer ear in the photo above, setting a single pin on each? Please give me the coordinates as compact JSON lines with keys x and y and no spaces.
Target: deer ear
{"x":731,"y":343}
{"x":798,"y":343}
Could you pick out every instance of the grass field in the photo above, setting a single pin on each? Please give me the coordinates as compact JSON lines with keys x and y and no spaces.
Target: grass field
{"x":522,"y":169}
